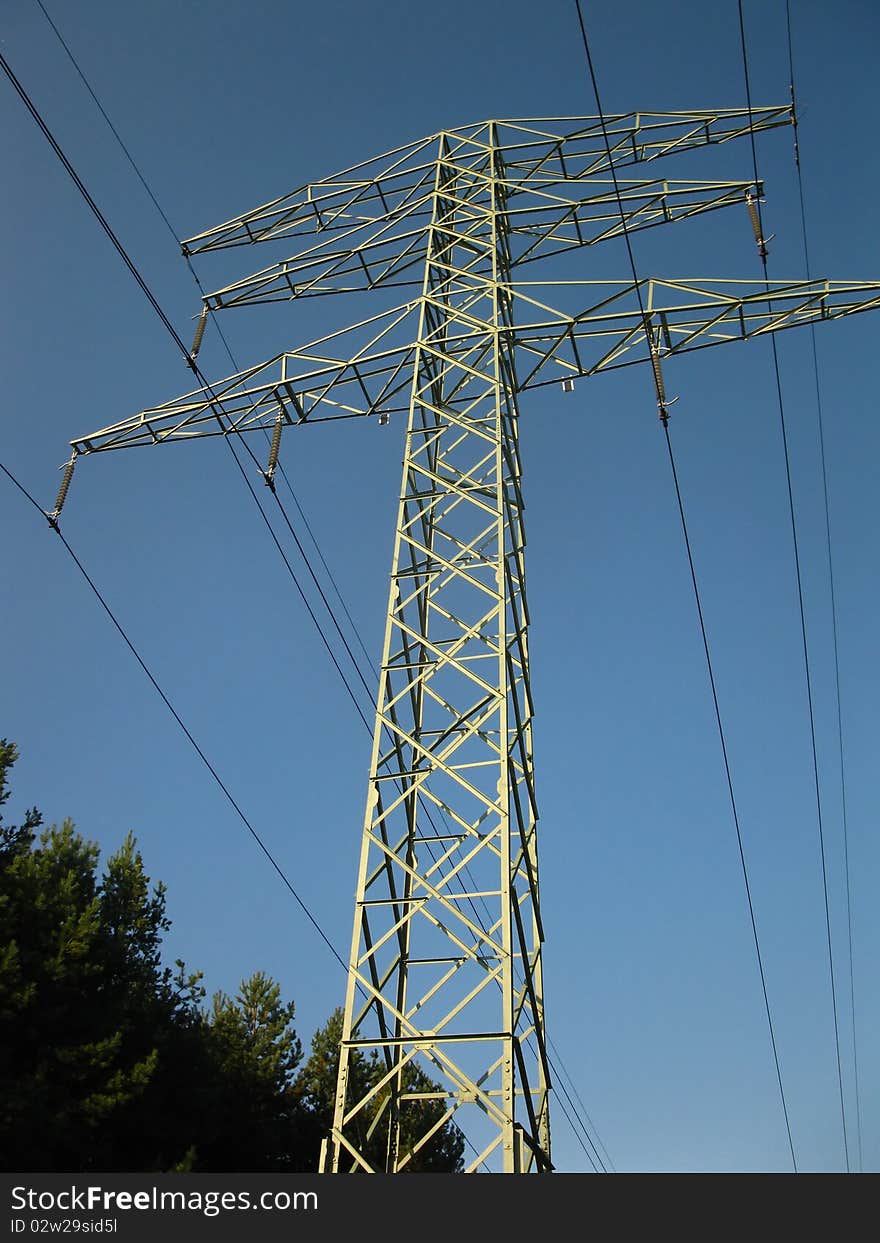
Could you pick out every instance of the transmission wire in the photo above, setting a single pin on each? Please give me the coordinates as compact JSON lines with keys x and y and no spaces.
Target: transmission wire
{"x":191,"y":362}
{"x":216,"y":401}
{"x":742,"y":856}
{"x":214,"y":317}
{"x":216,"y":404}
{"x":800,"y":593}
{"x":201,"y":754}
{"x":554,"y":1049}
{"x":577,"y":1136}
{"x":593,"y":1157}
{"x":819,"y":411}
{"x":235,"y":364}
{"x":169,"y":705}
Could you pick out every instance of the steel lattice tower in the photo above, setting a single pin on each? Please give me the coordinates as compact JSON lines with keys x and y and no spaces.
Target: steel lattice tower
{"x":453,"y":727}
{"x":445,"y":982}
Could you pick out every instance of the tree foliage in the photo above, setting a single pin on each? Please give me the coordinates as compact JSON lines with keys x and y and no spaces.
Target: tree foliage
{"x":110,"y":1060}
{"x":88,"y":1015}
{"x":255,"y":1111}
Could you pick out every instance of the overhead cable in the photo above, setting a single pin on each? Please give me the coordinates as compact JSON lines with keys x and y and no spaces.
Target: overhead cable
{"x":706,"y":649}
{"x":191,"y":355}
{"x":206,"y":310}
{"x":834,"y":624}
{"x":800,"y":595}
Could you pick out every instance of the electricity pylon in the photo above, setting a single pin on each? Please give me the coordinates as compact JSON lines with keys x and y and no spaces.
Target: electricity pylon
{"x":445,"y":969}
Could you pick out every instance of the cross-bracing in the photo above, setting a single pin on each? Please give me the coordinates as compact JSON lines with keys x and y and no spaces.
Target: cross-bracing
{"x":445,"y":979}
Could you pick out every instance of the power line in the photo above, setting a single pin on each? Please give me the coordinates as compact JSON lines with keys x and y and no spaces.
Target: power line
{"x":729,"y":778}
{"x":593,"y":1157}
{"x":96,"y":211}
{"x":706,"y":649}
{"x":763,"y":255}
{"x":177,"y":239}
{"x":127,"y":153}
{"x":328,"y":571}
{"x":217,"y":404}
{"x":819,"y":404}
{"x":216,"y":401}
{"x":195,"y":745}
{"x":612,"y":169}
{"x":608,"y":1161}
{"x":194,"y":367}
{"x":577,"y":1136}
{"x":112,"y":127}
{"x":191,"y":362}
{"x":169,"y":705}
{"x":163,"y":317}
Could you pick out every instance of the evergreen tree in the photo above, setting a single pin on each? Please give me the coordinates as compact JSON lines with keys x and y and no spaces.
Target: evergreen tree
{"x":108,"y":1060}
{"x":85,"y":1006}
{"x":253,"y":1119}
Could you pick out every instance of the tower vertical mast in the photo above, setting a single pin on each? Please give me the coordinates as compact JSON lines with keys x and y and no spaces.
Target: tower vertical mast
{"x":445,"y":968}
{"x":443,"y":1020}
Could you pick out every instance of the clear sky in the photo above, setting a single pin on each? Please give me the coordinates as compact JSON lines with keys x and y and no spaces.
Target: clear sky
{"x":653,"y":996}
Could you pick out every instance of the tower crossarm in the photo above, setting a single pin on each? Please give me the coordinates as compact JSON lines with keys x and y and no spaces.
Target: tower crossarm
{"x":442,"y":1033}
{"x":552,"y":151}
{"x":381,"y":188}
{"x":679,"y":316}
{"x":541,"y":222}
{"x":366,"y":369}
{"x":384,"y":254}
{"x":547,"y":151}
{"x":544,"y":221}
{"x":328,"y":379}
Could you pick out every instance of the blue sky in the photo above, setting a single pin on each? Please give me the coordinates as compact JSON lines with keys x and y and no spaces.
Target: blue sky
{"x":653,"y":997}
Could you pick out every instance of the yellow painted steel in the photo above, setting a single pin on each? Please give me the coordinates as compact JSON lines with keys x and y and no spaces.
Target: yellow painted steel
{"x":445,"y":965}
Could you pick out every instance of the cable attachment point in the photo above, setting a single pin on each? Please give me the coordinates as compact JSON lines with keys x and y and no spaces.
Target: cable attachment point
{"x":200,"y":332}
{"x":662,"y":403}
{"x":269,"y":472}
{"x":794,"y":126}
{"x":62,"y":491}
{"x":755,"y":217}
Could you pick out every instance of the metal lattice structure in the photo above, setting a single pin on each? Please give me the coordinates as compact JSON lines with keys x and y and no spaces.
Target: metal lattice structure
{"x":445,"y":969}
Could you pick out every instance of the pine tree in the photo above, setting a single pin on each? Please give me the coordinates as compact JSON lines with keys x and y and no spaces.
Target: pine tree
{"x":253,"y":1122}
{"x":84,"y":1004}
{"x":108,"y":1060}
